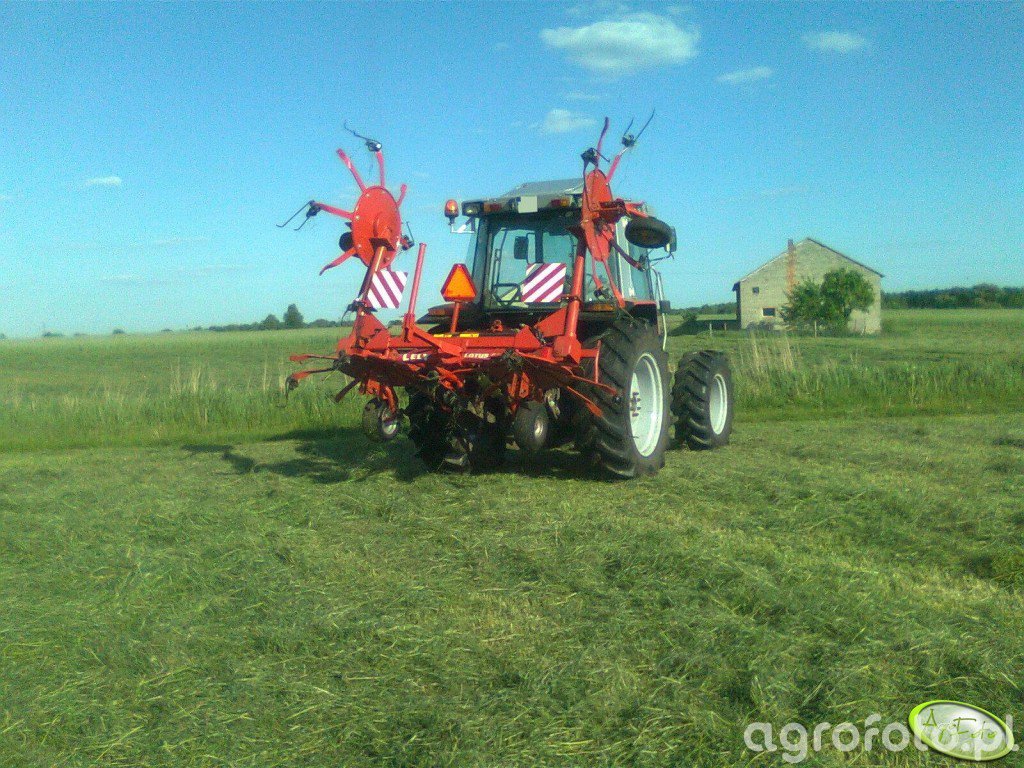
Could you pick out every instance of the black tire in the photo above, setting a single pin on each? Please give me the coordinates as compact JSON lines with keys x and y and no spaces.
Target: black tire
{"x":444,"y":446}
{"x":380,"y":423}
{"x":428,"y":430}
{"x":608,"y":441}
{"x":481,"y":442}
{"x":648,"y":232}
{"x":531,"y":426}
{"x":703,"y":386}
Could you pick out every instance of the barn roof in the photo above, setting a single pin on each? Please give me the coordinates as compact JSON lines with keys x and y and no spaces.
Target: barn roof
{"x":815,"y":242}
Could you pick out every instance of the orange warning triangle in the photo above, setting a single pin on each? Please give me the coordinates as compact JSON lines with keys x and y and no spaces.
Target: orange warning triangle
{"x":458,"y":286}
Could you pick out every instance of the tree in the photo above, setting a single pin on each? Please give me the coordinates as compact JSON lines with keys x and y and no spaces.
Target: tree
{"x":806,"y":306}
{"x":831,"y":303}
{"x":293,"y":318}
{"x":270,"y":323}
{"x":846,"y":290}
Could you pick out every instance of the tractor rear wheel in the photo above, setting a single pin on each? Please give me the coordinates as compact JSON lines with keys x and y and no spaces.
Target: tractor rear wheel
{"x":702,"y":400}
{"x":630,"y":436}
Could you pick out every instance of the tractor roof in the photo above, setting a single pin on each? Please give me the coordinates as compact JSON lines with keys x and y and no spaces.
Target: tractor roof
{"x":530,"y":197}
{"x":552,"y":187}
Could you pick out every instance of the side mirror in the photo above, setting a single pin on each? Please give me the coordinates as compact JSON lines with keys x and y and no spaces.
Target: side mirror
{"x":521,"y":248}
{"x":671,"y":247}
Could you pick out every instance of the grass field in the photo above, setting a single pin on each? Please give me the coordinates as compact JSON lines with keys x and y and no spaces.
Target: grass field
{"x":193,"y":576}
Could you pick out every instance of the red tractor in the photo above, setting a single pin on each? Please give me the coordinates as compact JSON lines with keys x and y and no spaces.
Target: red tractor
{"x":554,"y":334}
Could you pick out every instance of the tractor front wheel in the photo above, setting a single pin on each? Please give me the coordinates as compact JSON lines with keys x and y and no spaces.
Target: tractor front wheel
{"x":702,"y":400}
{"x":631,"y":435}
{"x":446,"y":443}
{"x":428,"y":430}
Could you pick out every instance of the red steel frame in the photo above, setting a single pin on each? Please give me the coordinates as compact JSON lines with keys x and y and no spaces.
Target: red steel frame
{"x":520,"y":364}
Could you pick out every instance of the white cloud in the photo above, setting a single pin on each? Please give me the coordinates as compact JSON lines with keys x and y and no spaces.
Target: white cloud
{"x":5,"y":198}
{"x":635,"y":42}
{"x":502,"y":46}
{"x":741,"y":76}
{"x":583,"y":96}
{"x":564,"y":121}
{"x":103,"y":181}
{"x":837,"y":42}
{"x":181,"y":241}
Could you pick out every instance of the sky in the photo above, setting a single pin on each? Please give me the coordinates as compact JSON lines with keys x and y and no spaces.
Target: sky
{"x":148,"y":150}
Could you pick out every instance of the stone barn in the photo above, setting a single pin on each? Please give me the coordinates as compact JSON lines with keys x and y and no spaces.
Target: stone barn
{"x":761,"y":295}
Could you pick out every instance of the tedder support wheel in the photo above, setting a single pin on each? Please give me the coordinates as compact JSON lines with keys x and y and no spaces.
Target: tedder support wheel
{"x":631,"y":435}
{"x":702,"y":400}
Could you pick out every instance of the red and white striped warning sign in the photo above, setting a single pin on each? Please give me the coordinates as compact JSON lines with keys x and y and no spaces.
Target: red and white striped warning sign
{"x":386,"y":289}
{"x":544,"y":283}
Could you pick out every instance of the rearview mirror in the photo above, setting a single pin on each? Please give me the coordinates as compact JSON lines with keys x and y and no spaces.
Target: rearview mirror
{"x":521,"y":248}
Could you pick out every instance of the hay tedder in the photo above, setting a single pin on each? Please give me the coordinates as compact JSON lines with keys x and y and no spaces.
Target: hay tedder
{"x":555,"y":332}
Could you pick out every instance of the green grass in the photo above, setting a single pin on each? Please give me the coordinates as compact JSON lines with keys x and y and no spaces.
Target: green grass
{"x":926,"y":362}
{"x":252,"y":589}
{"x":133,"y":390}
{"x":166,"y":388}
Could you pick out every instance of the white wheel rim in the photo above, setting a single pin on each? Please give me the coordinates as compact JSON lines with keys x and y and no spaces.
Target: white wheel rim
{"x":718,"y":404}
{"x":538,"y":429}
{"x":388,"y":422}
{"x":646,"y":405}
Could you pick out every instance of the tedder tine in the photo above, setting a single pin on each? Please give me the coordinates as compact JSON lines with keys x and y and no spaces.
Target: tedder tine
{"x":340,"y":260}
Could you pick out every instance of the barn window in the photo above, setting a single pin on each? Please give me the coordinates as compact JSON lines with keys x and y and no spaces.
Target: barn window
{"x":755,"y":290}
{"x":768,"y":311}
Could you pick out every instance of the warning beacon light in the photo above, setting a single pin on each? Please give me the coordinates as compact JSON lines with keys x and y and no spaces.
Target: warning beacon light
{"x":451,"y":210}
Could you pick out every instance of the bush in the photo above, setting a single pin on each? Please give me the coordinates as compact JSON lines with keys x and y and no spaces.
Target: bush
{"x":270,"y":323}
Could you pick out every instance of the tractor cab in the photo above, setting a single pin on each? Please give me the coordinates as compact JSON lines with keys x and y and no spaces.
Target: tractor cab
{"x":523,"y":252}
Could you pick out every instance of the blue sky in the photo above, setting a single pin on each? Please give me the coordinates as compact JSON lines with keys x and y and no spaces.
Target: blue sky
{"x":149,"y":149}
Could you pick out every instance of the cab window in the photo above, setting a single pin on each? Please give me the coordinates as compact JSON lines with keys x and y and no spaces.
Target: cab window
{"x":508,"y":248}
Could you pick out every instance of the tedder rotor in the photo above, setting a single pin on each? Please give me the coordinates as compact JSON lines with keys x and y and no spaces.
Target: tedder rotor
{"x":555,"y":333}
